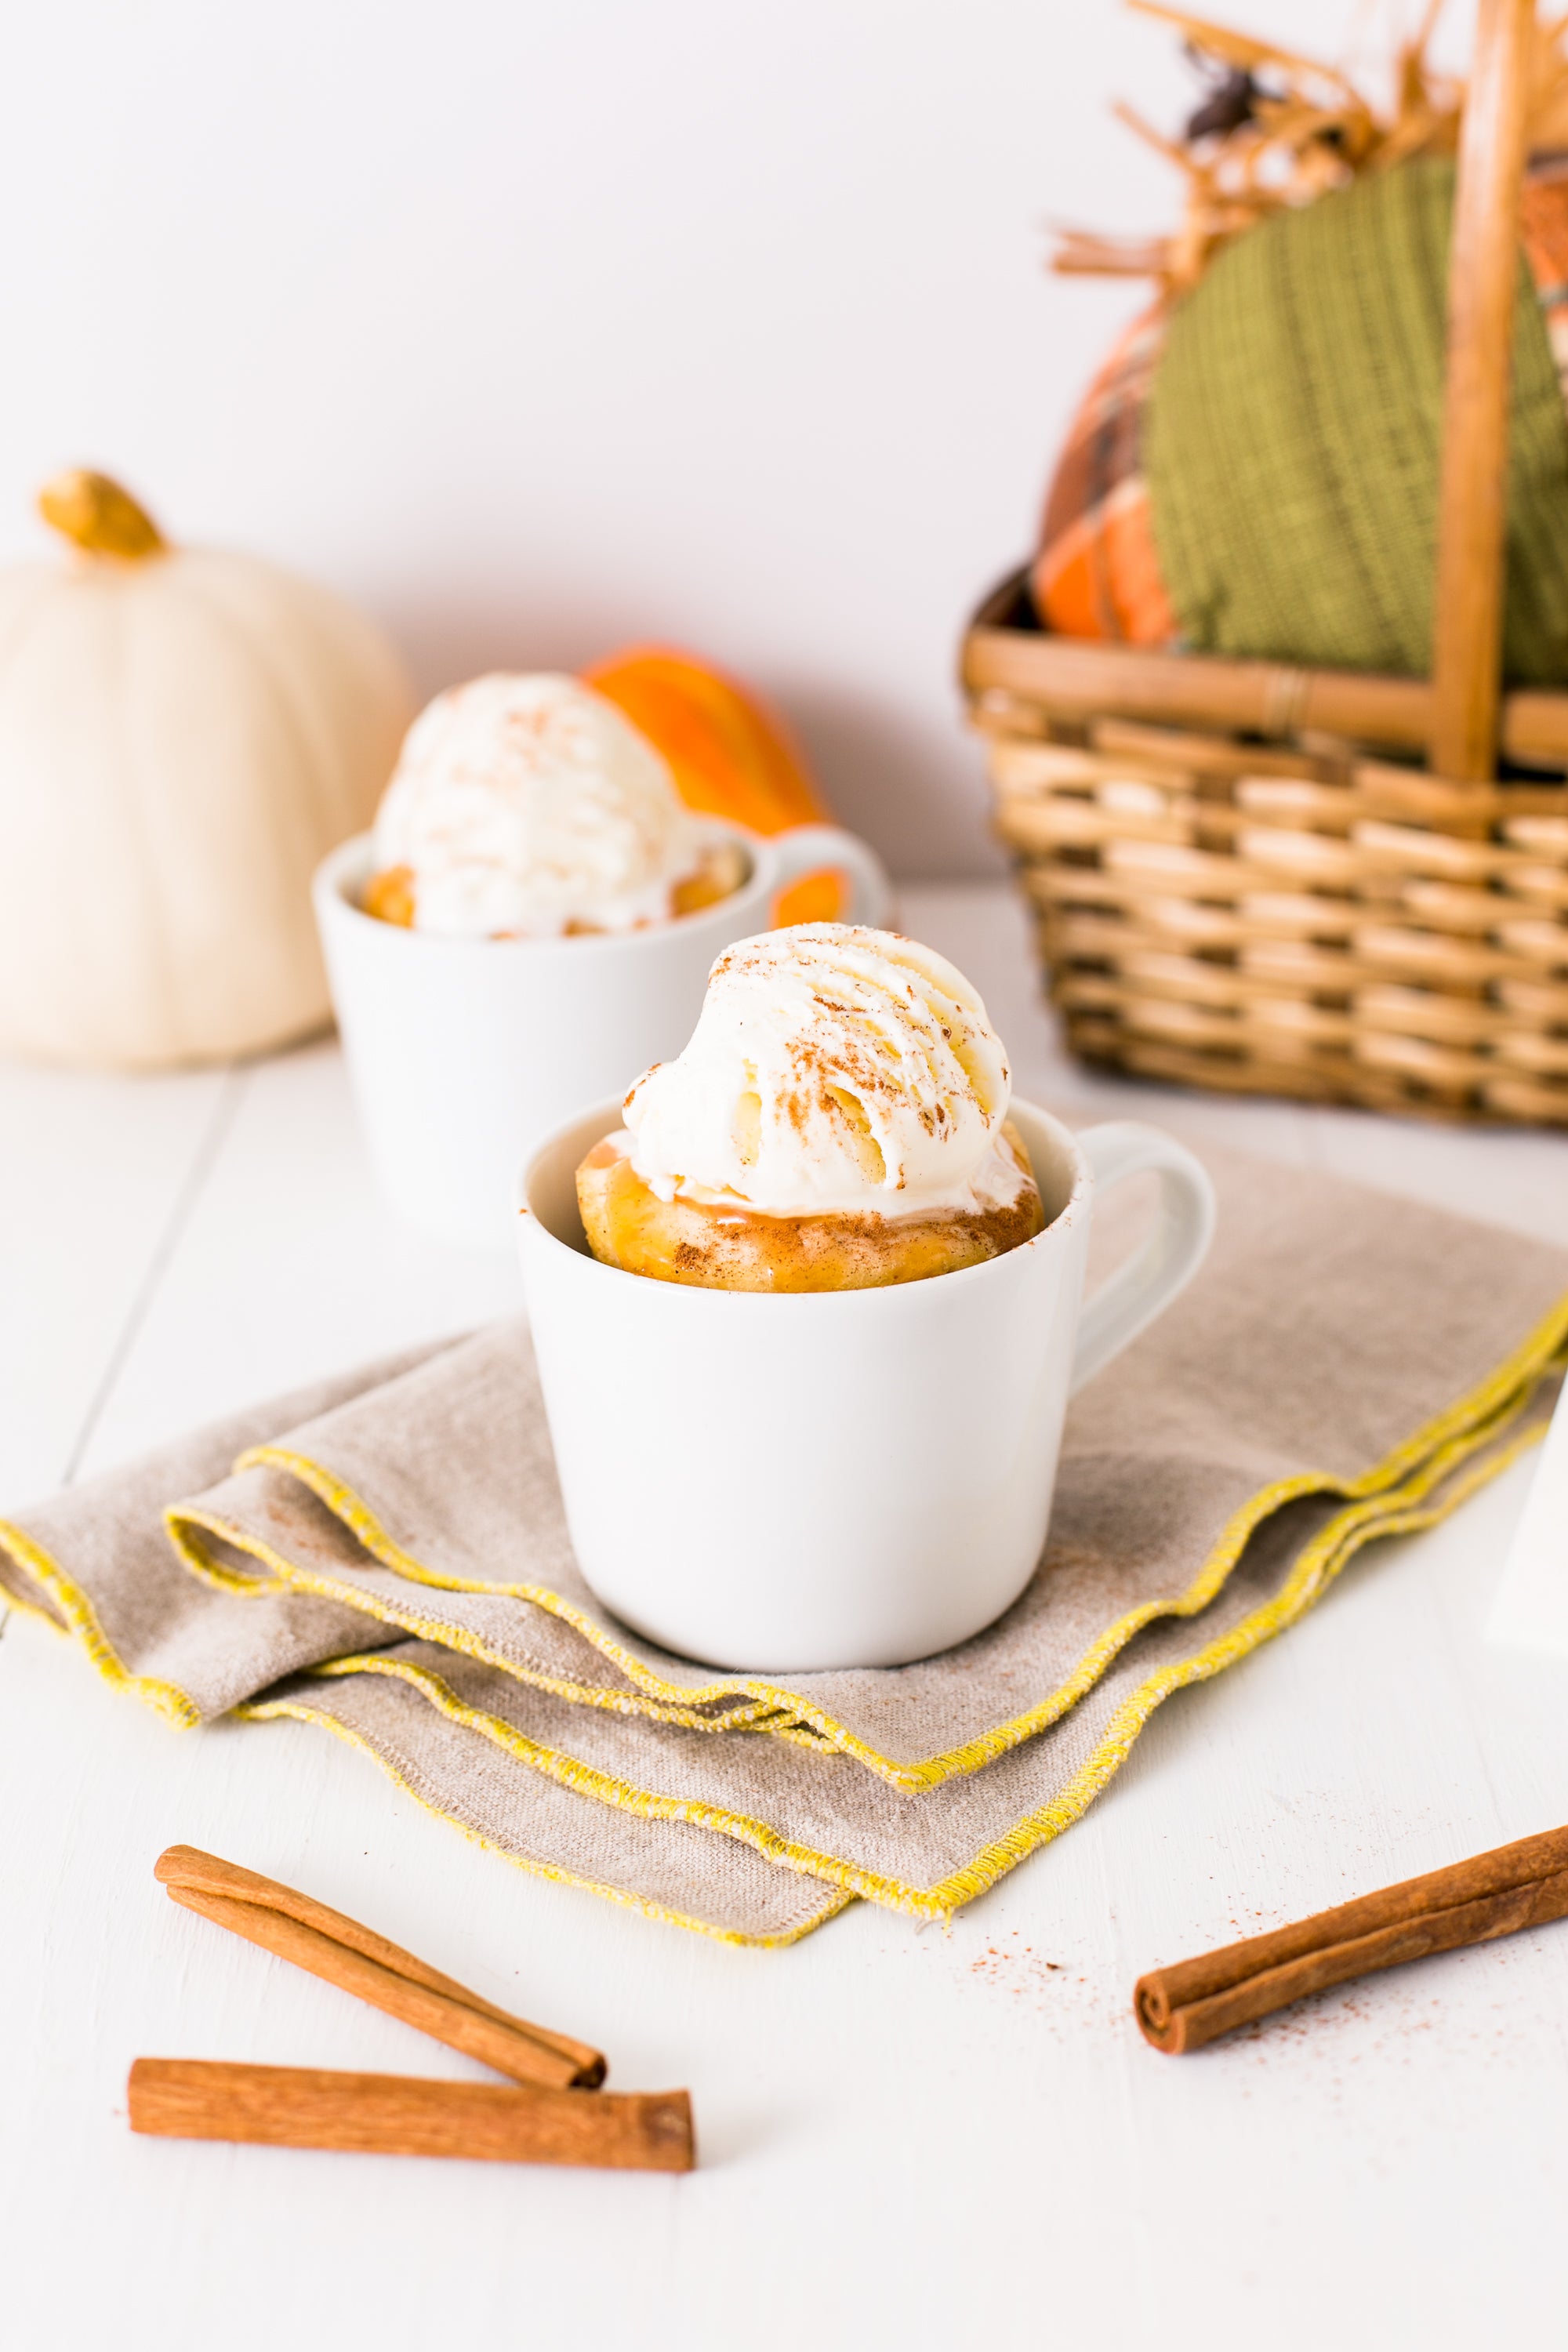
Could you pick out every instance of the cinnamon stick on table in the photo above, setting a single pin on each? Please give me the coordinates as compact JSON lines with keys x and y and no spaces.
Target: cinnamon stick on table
{"x":329,"y":1944}
{"x":397,"y":2115}
{"x":1521,"y":1885}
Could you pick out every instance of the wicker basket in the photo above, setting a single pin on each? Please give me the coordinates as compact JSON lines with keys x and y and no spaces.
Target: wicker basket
{"x":1237,"y":883}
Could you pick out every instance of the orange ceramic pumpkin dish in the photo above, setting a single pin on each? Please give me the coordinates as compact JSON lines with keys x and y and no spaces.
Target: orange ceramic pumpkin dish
{"x":729,"y":755}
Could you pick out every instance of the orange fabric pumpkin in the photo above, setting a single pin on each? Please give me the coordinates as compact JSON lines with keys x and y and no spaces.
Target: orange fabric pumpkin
{"x":728,"y":752}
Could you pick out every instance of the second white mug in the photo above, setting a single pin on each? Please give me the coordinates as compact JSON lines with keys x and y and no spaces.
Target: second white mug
{"x":462,"y":1054}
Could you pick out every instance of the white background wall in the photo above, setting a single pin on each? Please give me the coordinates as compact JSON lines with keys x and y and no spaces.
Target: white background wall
{"x":538,"y":325}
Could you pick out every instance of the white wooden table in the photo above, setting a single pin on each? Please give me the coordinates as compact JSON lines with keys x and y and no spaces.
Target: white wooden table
{"x":907,"y":2137}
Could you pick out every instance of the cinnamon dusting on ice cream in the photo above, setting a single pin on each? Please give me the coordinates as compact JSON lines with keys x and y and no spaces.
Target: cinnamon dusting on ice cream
{"x":530,"y":807}
{"x":835,"y":1070}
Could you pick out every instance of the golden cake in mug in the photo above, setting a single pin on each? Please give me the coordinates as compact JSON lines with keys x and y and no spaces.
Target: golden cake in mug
{"x":837,"y":1122}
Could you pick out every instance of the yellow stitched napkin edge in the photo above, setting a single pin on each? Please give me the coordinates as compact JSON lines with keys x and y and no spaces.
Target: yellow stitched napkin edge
{"x":263,"y":1711}
{"x":1321,"y":1562}
{"x":781,"y":1713}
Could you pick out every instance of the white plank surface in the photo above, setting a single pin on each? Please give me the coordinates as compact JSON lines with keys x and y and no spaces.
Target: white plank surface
{"x":907,"y":2137}
{"x":1530,"y":1609}
{"x":96,"y":1174}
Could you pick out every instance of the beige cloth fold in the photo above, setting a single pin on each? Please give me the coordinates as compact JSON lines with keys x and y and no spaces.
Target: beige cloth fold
{"x":387,"y":1555}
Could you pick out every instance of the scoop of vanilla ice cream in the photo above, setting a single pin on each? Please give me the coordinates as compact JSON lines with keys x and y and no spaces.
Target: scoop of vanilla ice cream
{"x":834,"y":1069}
{"x":524,"y":804}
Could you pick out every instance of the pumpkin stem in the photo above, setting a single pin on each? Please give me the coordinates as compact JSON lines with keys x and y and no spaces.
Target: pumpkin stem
{"x":97,"y":515}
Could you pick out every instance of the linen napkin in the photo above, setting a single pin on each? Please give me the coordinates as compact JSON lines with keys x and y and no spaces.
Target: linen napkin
{"x":387,"y":1556}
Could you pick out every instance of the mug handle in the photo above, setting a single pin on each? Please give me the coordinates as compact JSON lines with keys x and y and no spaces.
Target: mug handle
{"x":1128,"y":1301}
{"x":808,"y":849}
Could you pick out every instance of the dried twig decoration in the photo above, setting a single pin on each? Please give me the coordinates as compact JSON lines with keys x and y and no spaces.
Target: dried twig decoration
{"x":1277,"y":130}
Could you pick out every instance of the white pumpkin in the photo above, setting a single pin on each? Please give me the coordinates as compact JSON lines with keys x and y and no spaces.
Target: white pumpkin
{"x":183,"y":735}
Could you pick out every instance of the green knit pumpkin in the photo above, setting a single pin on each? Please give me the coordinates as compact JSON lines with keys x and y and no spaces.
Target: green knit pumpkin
{"x":1292,"y":440}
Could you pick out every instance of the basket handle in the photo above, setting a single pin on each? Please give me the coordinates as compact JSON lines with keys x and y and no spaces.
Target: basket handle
{"x":1483,"y":274}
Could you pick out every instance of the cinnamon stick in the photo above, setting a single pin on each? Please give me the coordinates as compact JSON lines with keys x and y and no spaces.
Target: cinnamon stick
{"x":397,"y":2115}
{"x":332,"y":1946}
{"x":1520,"y":1886}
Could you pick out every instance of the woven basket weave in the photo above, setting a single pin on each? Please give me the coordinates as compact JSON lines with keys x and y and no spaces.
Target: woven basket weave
{"x":1237,"y":883}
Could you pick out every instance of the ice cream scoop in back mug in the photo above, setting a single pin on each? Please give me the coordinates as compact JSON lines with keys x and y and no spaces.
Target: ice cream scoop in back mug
{"x":834,"y":1478}
{"x":464,"y":1053}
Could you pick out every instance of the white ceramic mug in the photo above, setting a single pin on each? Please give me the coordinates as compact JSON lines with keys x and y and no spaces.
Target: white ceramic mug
{"x":838,"y":1479}
{"x":463,"y":1054}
